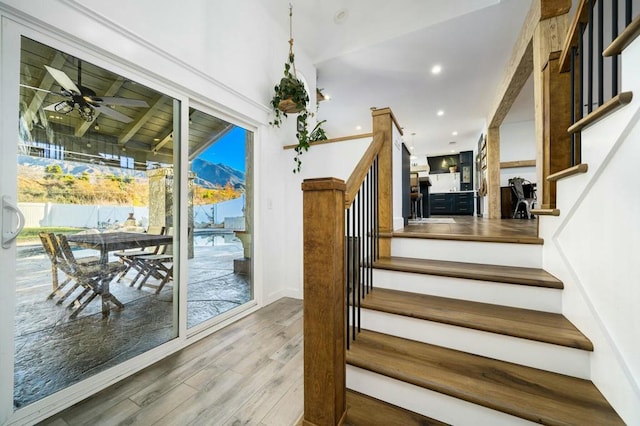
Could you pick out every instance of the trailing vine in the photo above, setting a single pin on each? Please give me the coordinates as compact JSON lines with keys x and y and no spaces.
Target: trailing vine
{"x":291,"y":97}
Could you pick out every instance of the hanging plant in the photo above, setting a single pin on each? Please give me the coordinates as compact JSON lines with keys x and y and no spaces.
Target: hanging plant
{"x":291,"y":97}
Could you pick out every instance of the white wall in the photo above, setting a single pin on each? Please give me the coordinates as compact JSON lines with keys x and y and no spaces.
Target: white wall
{"x":594,"y":244}
{"x":517,"y":142}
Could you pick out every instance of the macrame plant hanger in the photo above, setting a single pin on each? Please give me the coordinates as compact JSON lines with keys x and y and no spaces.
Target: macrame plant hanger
{"x":287,"y":105}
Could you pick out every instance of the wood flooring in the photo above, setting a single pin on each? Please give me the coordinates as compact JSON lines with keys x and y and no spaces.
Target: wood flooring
{"x":249,"y":373}
{"x":472,"y":228}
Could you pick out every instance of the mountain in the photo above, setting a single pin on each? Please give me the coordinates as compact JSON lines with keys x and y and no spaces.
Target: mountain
{"x":210,"y":174}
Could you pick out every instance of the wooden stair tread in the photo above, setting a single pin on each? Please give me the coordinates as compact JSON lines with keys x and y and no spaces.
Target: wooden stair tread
{"x":464,"y":237}
{"x":474,"y":271}
{"x":536,"y":395}
{"x":363,"y":410}
{"x":516,"y":322}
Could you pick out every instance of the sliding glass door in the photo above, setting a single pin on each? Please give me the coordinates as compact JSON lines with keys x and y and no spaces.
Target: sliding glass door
{"x":220,"y":159}
{"x":94,"y":163}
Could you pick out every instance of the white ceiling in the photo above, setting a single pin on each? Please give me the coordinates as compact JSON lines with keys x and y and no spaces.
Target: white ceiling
{"x":381,"y":55}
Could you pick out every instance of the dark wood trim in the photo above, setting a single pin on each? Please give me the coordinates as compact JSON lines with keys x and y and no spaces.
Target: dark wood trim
{"x":333,"y":140}
{"x":602,"y":111}
{"x":624,"y":39}
{"x":577,"y":169}
{"x":519,"y":163}
{"x":546,"y":212}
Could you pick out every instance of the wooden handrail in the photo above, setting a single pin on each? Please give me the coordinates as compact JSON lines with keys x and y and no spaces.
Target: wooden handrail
{"x":624,"y":39}
{"x":333,"y":140}
{"x":577,"y":169}
{"x":360,"y":171}
{"x":620,"y":100}
{"x":581,"y":16}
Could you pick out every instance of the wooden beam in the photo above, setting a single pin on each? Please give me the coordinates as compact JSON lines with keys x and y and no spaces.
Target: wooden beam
{"x":518,"y":69}
{"x":519,"y":163}
{"x":133,"y":128}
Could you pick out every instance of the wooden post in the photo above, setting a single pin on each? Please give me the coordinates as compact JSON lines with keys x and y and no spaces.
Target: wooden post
{"x":553,"y":105}
{"x":324,"y":302}
{"x":493,"y":172}
{"x":383,"y":122}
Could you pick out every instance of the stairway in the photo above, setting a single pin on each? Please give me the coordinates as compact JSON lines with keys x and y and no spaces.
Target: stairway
{"x":479,"y":342}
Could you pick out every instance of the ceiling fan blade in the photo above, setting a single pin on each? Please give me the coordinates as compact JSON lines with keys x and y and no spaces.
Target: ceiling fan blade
{"x":108,"y":100}
{"x":110,"y":112}
{"x":41,"y":90}
{"x":51,"y":107}
{"x":63,"y":80}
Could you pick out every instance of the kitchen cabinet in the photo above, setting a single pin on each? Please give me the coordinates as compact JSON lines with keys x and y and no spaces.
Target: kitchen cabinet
{"x":466,"y":170}
{"x":454,"y":203}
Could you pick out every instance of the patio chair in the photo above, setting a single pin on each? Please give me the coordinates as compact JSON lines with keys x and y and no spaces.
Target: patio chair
{"x":130,"y":257}
{"x":159,"y":266}
{"x":94,"y":279}
{"x":52,"y":250}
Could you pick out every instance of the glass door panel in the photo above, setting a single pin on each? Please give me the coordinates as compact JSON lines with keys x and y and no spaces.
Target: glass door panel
{"x":220,"y":216}
{"x":95,"y":182}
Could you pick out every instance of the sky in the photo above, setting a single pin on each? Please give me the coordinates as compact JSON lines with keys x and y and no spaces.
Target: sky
{"x":229,"y":150}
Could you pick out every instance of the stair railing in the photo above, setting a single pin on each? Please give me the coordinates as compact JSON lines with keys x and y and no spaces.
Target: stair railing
{"x":346,"y":227}
{"x":594,"y":78}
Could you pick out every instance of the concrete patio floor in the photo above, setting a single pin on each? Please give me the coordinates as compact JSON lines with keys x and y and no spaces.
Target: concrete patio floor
{"x":53,"y":351}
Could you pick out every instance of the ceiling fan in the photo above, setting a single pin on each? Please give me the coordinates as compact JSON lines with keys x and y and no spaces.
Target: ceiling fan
{"x":84,"y":100}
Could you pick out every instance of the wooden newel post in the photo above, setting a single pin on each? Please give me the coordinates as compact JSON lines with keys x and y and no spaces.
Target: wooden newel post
{"x":324,"y":302}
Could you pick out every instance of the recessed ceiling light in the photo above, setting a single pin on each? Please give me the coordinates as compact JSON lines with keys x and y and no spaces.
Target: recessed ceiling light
{"x":454,"y":133}
{"x":436,"y":69}
{"x":412,"y":148}
{"x":341,"y":16}
{"x":358,"y":127}
{"x":156,"y":139}
{"x":440,"y":113}
{"x":327,"y":97}
{"x":453,"y":150}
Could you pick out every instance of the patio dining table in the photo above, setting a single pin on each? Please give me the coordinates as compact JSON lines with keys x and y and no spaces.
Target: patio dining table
{"x":115,"y":241}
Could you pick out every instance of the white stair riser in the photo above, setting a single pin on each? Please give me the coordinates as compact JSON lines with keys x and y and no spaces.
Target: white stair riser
{"x":525,"y":255}
{"x":544,"y":356}
{"x":426,"y":402}
{"x":517,"y":296}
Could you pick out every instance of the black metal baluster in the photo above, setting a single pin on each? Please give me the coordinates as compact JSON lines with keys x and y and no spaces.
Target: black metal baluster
{"x":572,"y":70}
{"x":359,"y":257}
{"x":581,"y":73}
{"x":627,"y":13}
{"x":354,"y":272}
{"x":590,"y":59}
{"x":347,"y":263}
{"x":600,"y":49}
{"x":614,"y":58}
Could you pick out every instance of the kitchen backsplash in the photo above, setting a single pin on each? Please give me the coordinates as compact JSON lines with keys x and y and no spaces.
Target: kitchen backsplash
{"x":445,"y":182}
